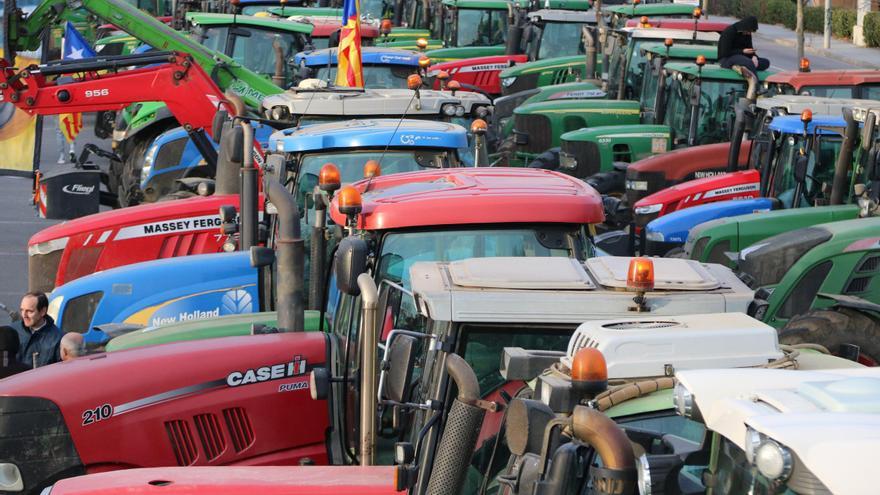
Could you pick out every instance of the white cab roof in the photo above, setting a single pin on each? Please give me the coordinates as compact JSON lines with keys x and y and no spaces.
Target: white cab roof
{"x":794,"y":104}
{"x":562,"y":290}
{"x":372,"y":102}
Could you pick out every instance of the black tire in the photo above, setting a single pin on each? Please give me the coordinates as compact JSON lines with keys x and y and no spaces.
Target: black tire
{"x":833,"y":328}
{"x":548,"y":160}
{"x":611,"y":183}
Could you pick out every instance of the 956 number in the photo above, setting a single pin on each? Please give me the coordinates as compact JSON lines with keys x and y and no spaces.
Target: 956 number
{"x":100,"y":413}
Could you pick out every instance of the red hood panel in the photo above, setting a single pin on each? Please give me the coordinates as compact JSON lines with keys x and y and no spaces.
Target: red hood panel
{"x":259,"y":383}
{"x":710,"y":189}
{"x":311,"y":480}
{"x":480,"y":72}
{"x":679,"y":164}
{"x":826,"y":78}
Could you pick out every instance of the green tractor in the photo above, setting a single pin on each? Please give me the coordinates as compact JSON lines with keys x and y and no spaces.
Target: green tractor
{"x":472,"y":28}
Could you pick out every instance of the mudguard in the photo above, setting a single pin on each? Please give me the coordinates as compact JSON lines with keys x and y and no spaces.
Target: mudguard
{"x":674,"y":228}
{"x":157,"y":293}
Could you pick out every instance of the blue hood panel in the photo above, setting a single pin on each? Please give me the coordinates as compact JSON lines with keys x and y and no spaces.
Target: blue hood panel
{"x":165,"y":291}
{"x":675,"y":226}
{"x":369,"y":56}
{"x":371,"y":133}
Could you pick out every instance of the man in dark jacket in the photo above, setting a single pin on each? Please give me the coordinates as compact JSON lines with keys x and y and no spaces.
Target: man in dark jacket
{"x":9,"y":364}
{"x":735,"y":46}
{"x":38,"y":336}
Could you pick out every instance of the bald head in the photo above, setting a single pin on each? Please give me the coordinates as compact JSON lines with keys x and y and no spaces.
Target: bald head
{"x":72,"y":346}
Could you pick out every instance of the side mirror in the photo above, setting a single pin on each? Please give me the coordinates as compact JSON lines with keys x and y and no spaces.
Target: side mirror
{"x":262,"y":256}
{"x":873,"y":165}
{"x":217,"y":125}
{"x":398,"y":376}
{"x":351,"y":261}
{"x":800,"y":169}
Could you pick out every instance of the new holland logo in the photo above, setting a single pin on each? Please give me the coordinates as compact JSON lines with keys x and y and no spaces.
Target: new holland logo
{"x":278,"y":371}
{"x":78,"y":189}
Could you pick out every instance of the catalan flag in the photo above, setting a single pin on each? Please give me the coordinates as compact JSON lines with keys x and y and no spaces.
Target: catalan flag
{"x":349,"y":72}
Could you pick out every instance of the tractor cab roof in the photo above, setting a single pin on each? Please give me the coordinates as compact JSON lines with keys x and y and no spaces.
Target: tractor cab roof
{"x":474,"y":196}
{"x":211,"y":19}
{"x":683,"y":52}
{"x":547,"y":15}
{"x":656,"y":9}
{"x":682,"y":24}
{"x":325,"y":26}
{"x":792,"y":124}
{"x":712,"y":71}
{"x":640,"y":33}
{"x":791,"y":104}
{"x":826,"y":78}
{"x":373,"y":133}
{"x":566,"y":290}
{"x":373,"y":102}
{"x":370,"y":55}
{"x":483,"y":4}
{"x":838,"y":409}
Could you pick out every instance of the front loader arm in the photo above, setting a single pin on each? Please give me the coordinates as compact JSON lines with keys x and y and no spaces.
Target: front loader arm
{"x":178,"y":81}
{"x":23,"y":33}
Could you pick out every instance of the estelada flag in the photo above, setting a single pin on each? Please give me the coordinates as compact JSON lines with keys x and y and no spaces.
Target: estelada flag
{"x":71,"y":124}
{"x":349,"y":72}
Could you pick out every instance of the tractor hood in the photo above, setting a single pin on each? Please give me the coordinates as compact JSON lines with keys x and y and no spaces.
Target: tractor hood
{"x":218,"y":401}
{"x":158,"y":292}
{"x":370,"y":133}
{"x":477,"y":64}
{"x":66,"y":251}
{"x":547,"y":64}
{"x":736,"y":185}
{"x":372,"y":102}
{"x":580,"y":107}
{"x":370,"y":55}
{"x":458,"y":53}
{"x":676,"y":226}
{"x":266,"y":480}
{"x":742,"y":231}
{"x":679,"y":164}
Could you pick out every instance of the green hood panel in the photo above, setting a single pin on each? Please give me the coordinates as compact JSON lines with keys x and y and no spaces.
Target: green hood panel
{"x":409,"y":44}
{"x":224,"y":326}
{"x":617,"y":131}
{"x":144,"y":116}
{"x":655,"y":402}
{"x":542,"y":65}
{"x":683,"y":52}
{"x":568,"y":91}
{"x":712,"y":71}
{"x":656,"y":9}
{"x":620,"y":107}
{"x":448,"y":54}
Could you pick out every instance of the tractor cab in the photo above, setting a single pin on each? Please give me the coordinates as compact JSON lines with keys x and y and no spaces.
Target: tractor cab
{"x":863,"y":84}
{"x":626,"y":62}
{"x":383,"y":68}
{"x":472,"y":28}
{"x":617,"y":16}
{"x":657,"y":55}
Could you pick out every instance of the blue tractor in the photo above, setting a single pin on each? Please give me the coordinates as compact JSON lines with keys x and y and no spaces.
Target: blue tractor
{"x":107,"y":303}
{"x":383,"y":67}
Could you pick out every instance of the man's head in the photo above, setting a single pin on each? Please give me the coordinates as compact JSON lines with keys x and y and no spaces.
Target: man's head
{"x":8,"y":345}
{"x":747,"y":25}
{"x":72,"y":346}
{"x":33,"y":309}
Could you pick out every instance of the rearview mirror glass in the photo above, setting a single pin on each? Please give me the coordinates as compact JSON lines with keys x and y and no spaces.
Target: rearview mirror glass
{"x":402,"y":358}
{"x":800,"y":169}
{"x":351,"y":261}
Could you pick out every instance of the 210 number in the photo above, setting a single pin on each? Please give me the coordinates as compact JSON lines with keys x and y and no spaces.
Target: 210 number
{"x":99,"y":413}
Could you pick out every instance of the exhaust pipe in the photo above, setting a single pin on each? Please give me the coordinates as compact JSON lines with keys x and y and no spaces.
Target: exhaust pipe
{"x":589,"y":36}
{"x":317,"y":254}
{"x":618,"y":472}
{"x":249,"y":190}
{"x":739,"y":127}
{"x":290,"y":259}
{"x":844,"y":158}
{"x":369,"y":349}
{"x":460,"y":433}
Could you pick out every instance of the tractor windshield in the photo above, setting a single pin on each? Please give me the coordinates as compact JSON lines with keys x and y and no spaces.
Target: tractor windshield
{"x":375,"y":76}
{"x":560,"y":39}
{"x":374,"y":8}
{"x":244,"y":42}
{"x":401,"y":250}
{"x":650,"y":81}
{"x":820,"y":167}
{"x":477,"y":28}
{"x":717,"y":98}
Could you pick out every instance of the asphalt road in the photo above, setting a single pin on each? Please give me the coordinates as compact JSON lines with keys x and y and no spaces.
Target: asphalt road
{"x":18,"y":220}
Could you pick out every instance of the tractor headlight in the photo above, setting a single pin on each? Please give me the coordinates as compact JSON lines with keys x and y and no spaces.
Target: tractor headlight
{"x":773,"y":461}
{"x":481,"y":112}
{"x":448,"y":109}
{"x":637,"y":185}
{"x":655,"y":236}
{"x":648,"y":210}
{"x":507,"y":81}
{"x":683,"y":401}
{"x":753,"y":440}
{"x":459,"y":111}
{"x":149,"y":159}
{"x":280,"y":112}
{"x":567,"y":161}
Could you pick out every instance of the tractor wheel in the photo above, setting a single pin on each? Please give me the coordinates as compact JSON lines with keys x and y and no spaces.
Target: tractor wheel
{"x":130,"y":173}
{"x":608,"y":183}
{"x":548,"y":160}
{"x":833,"y":328}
